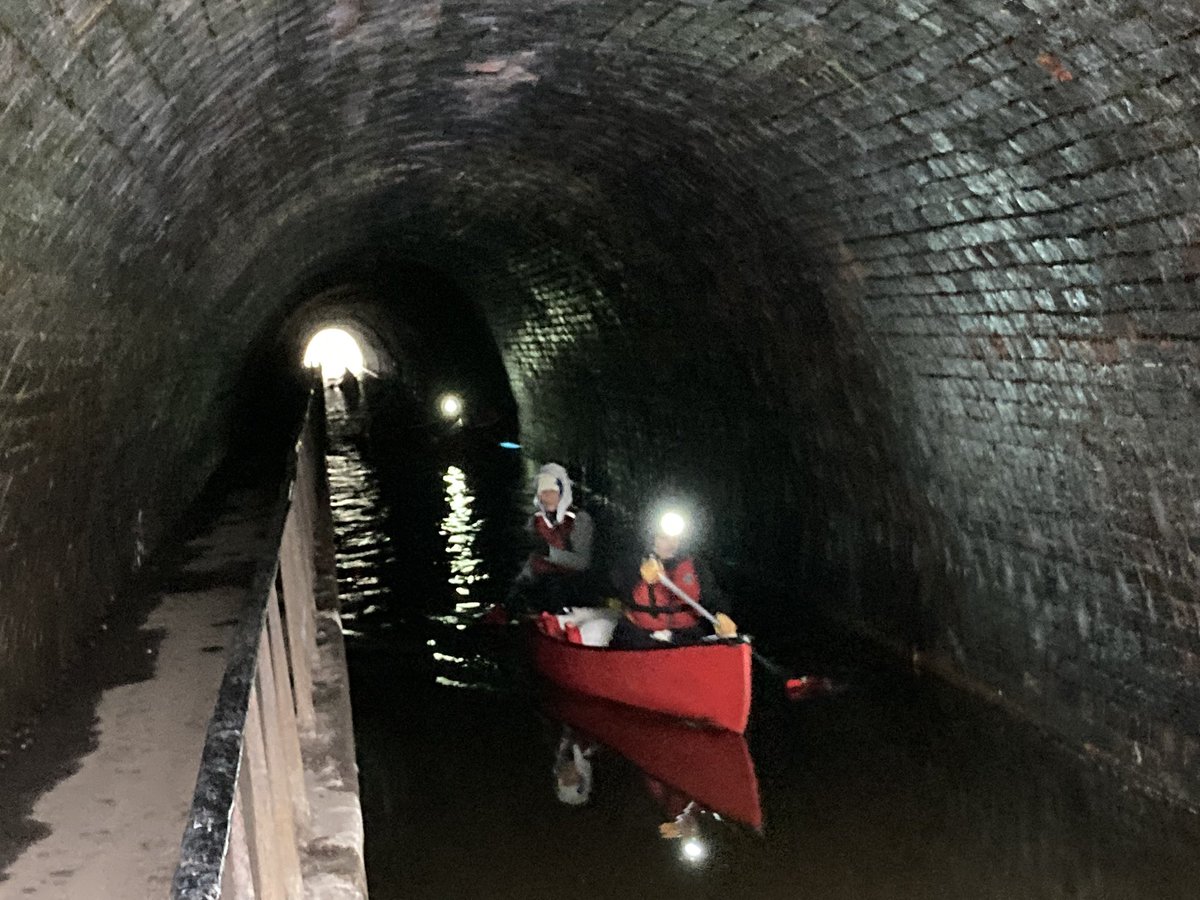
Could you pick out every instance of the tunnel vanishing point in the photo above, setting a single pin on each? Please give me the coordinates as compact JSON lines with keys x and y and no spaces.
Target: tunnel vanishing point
{"x":904,"y":288}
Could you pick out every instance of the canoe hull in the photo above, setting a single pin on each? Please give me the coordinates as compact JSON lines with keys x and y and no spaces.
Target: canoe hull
{"x":708,"y":683}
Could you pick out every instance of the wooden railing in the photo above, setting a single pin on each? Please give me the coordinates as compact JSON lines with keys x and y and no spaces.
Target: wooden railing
{"x":250,"y":810}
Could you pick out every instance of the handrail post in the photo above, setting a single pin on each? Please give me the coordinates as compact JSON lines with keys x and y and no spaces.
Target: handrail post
{"x":286,"y":711}
{"x":269,"y":875}
{"x":238,"y":879}
{"x":297,"y":603}
{"x":283,"y":824}
{"x":250,"y":811}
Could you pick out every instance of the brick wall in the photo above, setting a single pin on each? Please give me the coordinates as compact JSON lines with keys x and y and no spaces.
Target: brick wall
{"x":928,"y":266}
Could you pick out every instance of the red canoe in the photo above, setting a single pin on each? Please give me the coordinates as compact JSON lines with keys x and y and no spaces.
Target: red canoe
{"x":707,"y":682}
{"x":712,"y":767}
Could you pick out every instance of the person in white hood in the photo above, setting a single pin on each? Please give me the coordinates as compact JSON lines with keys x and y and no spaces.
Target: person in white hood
{"x":555,"y":575}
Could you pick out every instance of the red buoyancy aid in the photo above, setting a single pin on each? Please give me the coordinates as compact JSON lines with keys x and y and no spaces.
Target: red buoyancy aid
{"x":654,"y":607}
{"x":558,"y":536}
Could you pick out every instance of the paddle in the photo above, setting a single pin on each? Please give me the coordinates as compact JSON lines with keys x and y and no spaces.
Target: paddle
{"x":797,"y":688}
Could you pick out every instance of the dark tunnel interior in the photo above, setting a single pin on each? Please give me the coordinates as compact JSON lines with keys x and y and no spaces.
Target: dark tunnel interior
{"x":901,"y":293}
{"x":419,"y":332}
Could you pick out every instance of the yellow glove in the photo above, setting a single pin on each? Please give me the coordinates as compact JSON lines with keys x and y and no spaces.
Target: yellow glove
{"x":724,"y":626}
{"x":651,"y":570}
{"x":670,"y":831}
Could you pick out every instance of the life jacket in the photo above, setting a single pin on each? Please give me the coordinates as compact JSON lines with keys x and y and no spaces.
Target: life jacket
{"x":558,"y":536}
{"x":655,"y":608}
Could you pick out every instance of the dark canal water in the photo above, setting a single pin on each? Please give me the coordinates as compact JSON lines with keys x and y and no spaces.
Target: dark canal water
{"x":894,"y":789}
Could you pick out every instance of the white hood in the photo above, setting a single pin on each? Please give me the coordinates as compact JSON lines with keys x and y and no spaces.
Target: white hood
{"x":557,"y":472}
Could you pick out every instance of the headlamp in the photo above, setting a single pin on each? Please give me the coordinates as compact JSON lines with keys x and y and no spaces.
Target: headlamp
{"x":672,"y":524}
{"x":451,"y":406}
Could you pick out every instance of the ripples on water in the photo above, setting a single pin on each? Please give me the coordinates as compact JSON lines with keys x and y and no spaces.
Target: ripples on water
{"x":364,"y":550}
{"x":391,"y":599}
{"x":460,"y":527}
{"x":899,"y":790}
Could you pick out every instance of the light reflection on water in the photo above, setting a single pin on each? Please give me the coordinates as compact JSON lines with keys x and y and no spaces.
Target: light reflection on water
{"x":460,"y":528}
{"x":364,"y":549}
{"x":377,"y":606}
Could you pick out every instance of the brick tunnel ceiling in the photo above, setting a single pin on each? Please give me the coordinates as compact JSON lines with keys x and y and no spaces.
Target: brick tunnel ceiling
{"x":927,"y":265}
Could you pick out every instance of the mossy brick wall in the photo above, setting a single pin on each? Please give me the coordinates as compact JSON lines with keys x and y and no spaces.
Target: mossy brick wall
{"x":931,"y":265}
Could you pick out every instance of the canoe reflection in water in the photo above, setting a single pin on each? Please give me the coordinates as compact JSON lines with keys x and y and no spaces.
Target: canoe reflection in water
{"x":693,"y":774}
{"x":573,"y":768}
{"x":683,"y":820}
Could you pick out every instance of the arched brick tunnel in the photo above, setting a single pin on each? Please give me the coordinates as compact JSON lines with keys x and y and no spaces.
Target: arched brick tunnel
{"x":903,"y":289}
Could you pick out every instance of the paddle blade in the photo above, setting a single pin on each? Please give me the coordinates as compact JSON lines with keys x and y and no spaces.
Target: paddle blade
{"x":808,"y":687}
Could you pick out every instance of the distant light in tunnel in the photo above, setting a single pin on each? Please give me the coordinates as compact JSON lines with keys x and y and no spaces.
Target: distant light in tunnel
{"x":336,"y":352}
{"x":509,"y":445}
{"x":451,"y":406}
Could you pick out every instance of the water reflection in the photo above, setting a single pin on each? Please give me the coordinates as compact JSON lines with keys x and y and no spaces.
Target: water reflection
{"x":682,"y":824}
{"x":573,"y":768}
{"x":460,"y":528}
{"x":374,"y":613}
{"x":698,"y":779}
{"x":681,"y":815}
{"x":364,"y":549}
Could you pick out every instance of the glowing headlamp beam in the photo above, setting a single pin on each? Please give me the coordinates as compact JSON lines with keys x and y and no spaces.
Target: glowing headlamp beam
{"x":672,"y":524}
{"x":451,"y":406}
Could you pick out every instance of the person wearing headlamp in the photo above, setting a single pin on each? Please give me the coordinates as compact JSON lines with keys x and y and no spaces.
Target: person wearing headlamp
{"x":655,"y":615}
